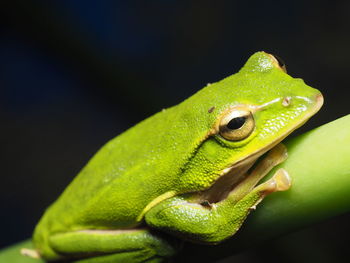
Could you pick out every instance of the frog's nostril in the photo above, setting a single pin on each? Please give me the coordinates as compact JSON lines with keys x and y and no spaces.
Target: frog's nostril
{"x":286,"y":101}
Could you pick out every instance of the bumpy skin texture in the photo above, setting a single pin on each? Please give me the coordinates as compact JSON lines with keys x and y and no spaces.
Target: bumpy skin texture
{"x":155,"y":163}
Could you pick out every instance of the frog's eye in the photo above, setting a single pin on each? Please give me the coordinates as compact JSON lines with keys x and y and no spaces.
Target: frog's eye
{"x":279,"y":63}
{"x":237,"y":125}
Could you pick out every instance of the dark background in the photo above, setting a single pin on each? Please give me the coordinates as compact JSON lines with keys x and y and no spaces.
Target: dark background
{"x":74,"y":74}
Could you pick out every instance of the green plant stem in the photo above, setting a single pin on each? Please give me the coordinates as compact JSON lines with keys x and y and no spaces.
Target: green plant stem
{"x":319,"y":164}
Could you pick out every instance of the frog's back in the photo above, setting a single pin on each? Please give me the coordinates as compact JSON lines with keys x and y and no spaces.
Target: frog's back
{"x":125,"y":175}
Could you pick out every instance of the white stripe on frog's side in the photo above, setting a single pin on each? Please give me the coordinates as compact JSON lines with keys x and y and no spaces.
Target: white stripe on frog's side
{"x":110,"y":232}
{"x":154,"y":202}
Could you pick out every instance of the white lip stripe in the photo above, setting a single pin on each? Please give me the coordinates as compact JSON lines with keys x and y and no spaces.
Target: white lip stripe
{"x":255,"y":108}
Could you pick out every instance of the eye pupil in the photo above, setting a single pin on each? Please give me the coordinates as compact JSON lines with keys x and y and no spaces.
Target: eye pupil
{"x":236,"y":123}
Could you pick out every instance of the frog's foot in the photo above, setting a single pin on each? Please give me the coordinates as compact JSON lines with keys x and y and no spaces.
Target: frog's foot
{"x":32,"y":253}
{"x":103,"y":246}
{"x":238,"y":180}
{"x":280,"y":181}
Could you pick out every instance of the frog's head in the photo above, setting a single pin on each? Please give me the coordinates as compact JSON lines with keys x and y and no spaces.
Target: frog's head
{"x":246,"y":115}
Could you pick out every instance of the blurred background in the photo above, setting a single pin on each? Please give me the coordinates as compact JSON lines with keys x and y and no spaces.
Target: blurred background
{"x":74,"y":74}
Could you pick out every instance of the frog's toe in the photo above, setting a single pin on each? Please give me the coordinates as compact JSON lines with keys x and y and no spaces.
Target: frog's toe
{"x":30,"y":253}
{"x":281,"y":181}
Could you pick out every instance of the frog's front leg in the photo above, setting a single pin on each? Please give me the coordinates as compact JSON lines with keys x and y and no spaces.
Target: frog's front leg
{"x":104,"y":246}
{"x":213,"y":223}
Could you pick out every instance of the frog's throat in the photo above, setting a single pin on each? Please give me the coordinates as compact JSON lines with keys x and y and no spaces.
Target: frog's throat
{"x":242,"y":173}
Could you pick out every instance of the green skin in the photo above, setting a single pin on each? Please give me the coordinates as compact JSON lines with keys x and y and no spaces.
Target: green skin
{"x":150,"y":184}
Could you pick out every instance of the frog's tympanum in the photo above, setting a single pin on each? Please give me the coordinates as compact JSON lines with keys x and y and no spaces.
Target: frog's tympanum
{"x":190,"y":172}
